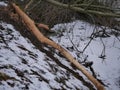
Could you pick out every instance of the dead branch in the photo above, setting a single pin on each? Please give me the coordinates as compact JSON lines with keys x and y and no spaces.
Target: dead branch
{"x":30,"y":2}
{"x":40,"y":25}
{"x":82,"y":10}
{"x":31,"y":25}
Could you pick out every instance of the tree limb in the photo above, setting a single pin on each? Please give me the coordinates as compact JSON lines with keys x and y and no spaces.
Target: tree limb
{"x":92,"y":6}
{"x":81,"y":10}
{"x":31,"y":25}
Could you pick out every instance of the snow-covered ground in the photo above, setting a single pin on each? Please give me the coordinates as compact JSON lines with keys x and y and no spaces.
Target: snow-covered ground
{"x":77,"y":35}
{"x":3,"y":3}
{"x":19,"y":56}
{"x":24,"y":67}
{"x":18,"y":53}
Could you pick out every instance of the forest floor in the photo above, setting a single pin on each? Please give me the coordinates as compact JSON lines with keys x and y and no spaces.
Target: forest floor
{"x":26,"y":64}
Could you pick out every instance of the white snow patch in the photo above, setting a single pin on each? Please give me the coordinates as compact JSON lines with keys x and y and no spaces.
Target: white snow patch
{"x":3,"y":3}
{"x":107,"y":70}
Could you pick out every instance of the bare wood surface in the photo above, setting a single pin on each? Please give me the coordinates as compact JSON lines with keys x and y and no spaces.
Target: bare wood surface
{"x":31,"y":25}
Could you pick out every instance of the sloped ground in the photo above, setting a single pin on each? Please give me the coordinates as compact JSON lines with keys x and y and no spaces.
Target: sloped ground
{"x":26,"y":64}
{"x":25,"y":67}
{"x":103,"y":51}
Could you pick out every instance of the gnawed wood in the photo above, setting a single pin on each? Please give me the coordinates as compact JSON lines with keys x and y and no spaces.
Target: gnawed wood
{"x":31,"y":25}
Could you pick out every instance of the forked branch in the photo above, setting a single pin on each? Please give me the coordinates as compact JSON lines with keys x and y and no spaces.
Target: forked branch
{"x":31,"y":25}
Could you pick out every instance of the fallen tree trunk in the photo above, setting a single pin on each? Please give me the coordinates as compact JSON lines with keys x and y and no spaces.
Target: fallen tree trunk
{"x":31,"y":25}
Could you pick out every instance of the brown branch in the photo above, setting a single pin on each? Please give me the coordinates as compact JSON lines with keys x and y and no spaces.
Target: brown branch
{"x":31,"y":25}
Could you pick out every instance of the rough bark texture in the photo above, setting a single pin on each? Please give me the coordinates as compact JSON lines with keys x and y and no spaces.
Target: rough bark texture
{"x":81,"y":10}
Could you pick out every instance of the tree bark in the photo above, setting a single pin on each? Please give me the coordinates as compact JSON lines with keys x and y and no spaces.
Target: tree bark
{"x":31,"y":25}
{"x":81,"y":10}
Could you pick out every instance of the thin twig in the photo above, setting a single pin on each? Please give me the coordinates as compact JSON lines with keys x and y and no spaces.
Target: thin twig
{"x":117,"y":38}
{"x":34,"y":5}
{"x":103,"y":51}
{"x":72,"y":41}
{"x":92,"y":36}
{"x":27,"y":6}
{"x":89,"y":5}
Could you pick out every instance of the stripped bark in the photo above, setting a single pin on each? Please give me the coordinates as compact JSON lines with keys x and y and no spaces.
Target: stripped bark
{"x":31,"y":25}
{"x":40,"y":25}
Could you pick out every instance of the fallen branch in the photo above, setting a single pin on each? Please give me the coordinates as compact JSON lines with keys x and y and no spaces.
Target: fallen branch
{"x":82,"y":10}
{"x":93,"y":6}
{"x":31,"y":25}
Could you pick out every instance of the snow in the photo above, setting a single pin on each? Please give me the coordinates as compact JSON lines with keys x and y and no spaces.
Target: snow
{"x":20,"y":59}
{"x":35,"y":70}
{"x":108,"y":70}
{"x":3,"y":4}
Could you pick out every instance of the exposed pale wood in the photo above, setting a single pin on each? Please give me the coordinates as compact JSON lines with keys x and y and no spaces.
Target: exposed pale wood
{"x":40,"y":25}
{"x":31,"y":25}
